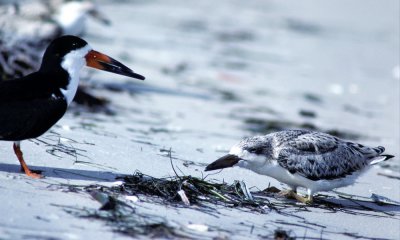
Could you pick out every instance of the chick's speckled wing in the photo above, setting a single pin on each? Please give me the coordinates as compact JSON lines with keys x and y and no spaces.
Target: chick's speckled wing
{"x":319,"y":156}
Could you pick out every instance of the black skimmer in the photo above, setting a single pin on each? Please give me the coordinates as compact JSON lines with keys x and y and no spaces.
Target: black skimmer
{"x":30,"y":105}
{"x":299,"y":158}
{"x":28,"y":27}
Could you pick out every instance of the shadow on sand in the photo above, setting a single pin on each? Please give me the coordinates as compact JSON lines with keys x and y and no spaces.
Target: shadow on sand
{"x":63,"y":173}
{"x":353,"y":202}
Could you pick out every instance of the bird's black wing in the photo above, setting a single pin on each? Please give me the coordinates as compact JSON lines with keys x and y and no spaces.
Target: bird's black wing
{"x":32,"y":86}
{"x":317,"y":156}
{"x":21,"y":120}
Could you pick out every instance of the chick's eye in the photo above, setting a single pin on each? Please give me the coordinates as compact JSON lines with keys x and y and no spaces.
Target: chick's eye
{"x":252,"y":150}
{"x":255,"y":150}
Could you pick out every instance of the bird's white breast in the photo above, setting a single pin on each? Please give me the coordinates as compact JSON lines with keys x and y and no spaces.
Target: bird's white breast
{"x":274,"y":170}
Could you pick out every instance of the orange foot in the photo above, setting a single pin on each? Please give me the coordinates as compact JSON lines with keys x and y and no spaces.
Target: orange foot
{"x":31,"y":173}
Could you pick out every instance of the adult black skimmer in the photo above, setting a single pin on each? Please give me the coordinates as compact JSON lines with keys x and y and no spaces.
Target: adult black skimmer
{"x":28,"y":27}
{"x":30,"y":105}
{"x":312,"y":160}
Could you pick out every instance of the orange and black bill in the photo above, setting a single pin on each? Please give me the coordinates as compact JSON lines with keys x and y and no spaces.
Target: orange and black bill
{"x":228,"y":160}
{"x":103,"y":62}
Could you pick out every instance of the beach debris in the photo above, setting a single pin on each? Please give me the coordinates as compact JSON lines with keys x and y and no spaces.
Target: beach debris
{"x":381,"y":200}
{"x":272,"y":189}
{"x":314,"y":98}
{"x":245,"y":191}
{"x":198,"y":227}
{"x":189,"y":190}
{"x":184,"y":198}
{"x":120,"y":211}
{"x":119,"y":208}
{"x":60,"y":146}
{"x":102,"y":198}
{"x":126,"y":219}
{"x":307,"y":113}
{"x":132,"y":198}
{"x":389,"y":175}
{"x":280,"y":234}
{"x":206,"y":195}
{"x":117,"y":183}
{"x":66,"y":127}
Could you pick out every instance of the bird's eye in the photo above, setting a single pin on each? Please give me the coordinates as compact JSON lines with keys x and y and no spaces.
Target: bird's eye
{"x":252,"y":150}
{"x":255,"y":150}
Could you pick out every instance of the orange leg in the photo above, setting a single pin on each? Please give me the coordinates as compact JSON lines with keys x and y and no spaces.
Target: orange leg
{"x":24,"y":167}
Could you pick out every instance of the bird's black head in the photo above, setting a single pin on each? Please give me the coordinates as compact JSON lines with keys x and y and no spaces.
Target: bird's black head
{"x":70,"y":53}
{"x":58,"y":48}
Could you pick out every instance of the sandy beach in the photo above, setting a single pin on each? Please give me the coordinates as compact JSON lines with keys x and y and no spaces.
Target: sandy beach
{"x":217,"y":72}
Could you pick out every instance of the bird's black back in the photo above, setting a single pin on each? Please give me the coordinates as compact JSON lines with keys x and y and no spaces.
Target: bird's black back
{"x":29,"y":106}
